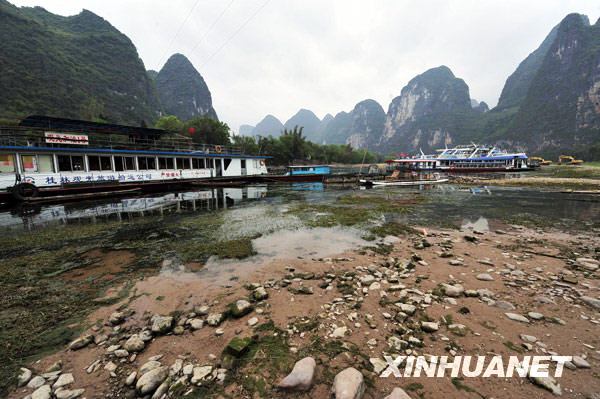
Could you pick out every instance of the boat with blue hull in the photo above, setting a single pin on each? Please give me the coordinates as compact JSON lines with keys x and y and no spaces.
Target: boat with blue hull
{"x":471,"y":158}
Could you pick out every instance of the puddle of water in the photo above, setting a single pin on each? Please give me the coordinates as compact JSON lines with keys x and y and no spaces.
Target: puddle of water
{"x":480,"y":224}
{"x":285,"y":244}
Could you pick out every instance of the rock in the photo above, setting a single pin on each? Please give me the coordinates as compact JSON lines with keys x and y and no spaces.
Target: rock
{"x":484,"y":277}
{"x":396,"y":343}
{"x":116,"y":318}
{"x":176,"y":367}
{"x":69,"y":394}
{"x":593,"y":302}
{"x":580,"y":362}
{"x":56,"y":366}
{"x":81,"y":342}
{"x":535,"y":315}
{"x":188,"y":369}
{"x":428,"y":326}
{"x":36,"y":382}
{"x":149,"y":365}
{"x":484,"y":292}
{"x":378,"y":364}
{"x":110,"y":367}
{"x":397,"y":393}
{"x":259,"y":294}
{"x":238,"y":346}
{"x":200,"y":374}
{"x":528,"y":338}
{"x":24,"y":376}
{"x":51,"y":376}
{"x":339,"y":332}
{"x":569,"y":279}
{"x":64,"y":380}
{"x":544,"y":300}
{"x":179,"y":330}
{"x":252,"y":321}
{"x":240,"y":308}
{"x":367,"y":280}
{"x":43,"y":392}
{"x":196,"y":324}
{"x":407,"y":308}
{"x":301,"y":377}
{"x":146,"y":335}
{"x":454,"y":262}
{"x":162,"y":389}
{"x":134,"y":344}
{"x":219,"y":332}
{"x":162,"y":324}
{"x":374,"y":286}
{"x":548,"y":383}
{"x":348,"y":384}
{"x":131,"y":378}
{"x":215,"y":319}
{"x":201,"y":310}
{"x":121,"y":353}
{"x":504,"y":305}
{"x":151,"y":380}
{"x":453,"y":290}
{"x":517,"y":317}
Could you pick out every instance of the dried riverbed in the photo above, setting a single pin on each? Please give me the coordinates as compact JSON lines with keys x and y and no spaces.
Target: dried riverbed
{"x":65,"y":282}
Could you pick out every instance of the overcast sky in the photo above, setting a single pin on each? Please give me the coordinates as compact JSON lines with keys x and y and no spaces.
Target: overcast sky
{"x":262,"y":57}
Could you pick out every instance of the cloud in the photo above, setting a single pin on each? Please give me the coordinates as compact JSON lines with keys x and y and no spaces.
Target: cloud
{"x":328,"y":56}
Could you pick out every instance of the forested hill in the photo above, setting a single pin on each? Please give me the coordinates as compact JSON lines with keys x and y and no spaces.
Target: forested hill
{"x":75,"y":67}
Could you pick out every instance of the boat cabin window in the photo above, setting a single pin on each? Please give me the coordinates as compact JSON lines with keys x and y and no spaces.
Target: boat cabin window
{"x":183,"y":163}
{"x":227,"y":163}
{"x":7,"y":163}
{"x":165,"y":163}
{"x":198,"y":163}
{"x":97,"y":162}
{"x":37,"y":163}
{"x":70,"y":163}
{"x":124,"y":163}
{"x":147,"y":163}
{"x":243,"y":163}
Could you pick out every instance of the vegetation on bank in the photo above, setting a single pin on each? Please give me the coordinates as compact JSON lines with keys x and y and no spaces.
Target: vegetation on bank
{"x":290,"y":147}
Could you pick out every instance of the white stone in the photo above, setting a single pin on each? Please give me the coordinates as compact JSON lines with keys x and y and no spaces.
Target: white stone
{"x":301,"y":377}
{"x":43,"y":392}
{"x":517,"y":317}
{"x":63,"y":380}
{"x":200,"y":373}
{"x":151,"y":380}
{"x":36,"y":382}
{"x":252,"y":321}
{"x":348,"y":384}
{"x":398,"y":393}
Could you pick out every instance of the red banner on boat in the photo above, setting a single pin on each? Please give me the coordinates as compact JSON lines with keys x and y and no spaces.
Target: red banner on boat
{"x":64,"y":138}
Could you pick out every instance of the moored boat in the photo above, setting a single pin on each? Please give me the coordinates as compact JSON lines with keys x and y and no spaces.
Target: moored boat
{"x":471,"y":158}
{"x":45,"y":156}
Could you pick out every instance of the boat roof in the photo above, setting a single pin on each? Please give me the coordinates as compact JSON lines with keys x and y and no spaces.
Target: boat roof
{"x":111,"y":151}
{"x":75,"y":125}
{"x":308,"y":166}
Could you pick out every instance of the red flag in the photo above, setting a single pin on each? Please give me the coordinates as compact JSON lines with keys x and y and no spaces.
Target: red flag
{"x":191,"y":130}
{"x":402,"y":155}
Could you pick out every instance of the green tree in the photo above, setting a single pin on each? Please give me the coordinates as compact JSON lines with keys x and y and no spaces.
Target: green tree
{"x":247,"y":145}
{"x":170,"y":123}
{"x":207,"y":131}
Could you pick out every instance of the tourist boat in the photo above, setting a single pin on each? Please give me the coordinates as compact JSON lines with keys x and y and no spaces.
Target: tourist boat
{"x":383,"y":183}
{"x":44,"y":156}
{"x":466,"y":158}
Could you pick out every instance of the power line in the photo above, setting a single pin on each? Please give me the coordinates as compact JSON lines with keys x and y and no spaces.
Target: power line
{"x":234,"y":33}
{"x":212,"y":26}
{"x":177,"y":34}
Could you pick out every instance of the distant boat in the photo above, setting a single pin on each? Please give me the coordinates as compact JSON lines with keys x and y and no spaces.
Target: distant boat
{"x":468,"y":158}
{"x":301,"y":173}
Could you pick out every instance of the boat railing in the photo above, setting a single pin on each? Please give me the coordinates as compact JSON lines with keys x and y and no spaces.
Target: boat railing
{"x":20,"y":138}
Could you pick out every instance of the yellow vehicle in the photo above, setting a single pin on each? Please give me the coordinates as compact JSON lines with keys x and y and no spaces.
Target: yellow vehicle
{"x":539,"y":161}
{"x":568,"y":160}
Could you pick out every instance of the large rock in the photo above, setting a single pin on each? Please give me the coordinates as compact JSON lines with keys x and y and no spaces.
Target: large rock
{"x":81,"y":342}
{"x":238,"y":346}
{"x":149,"y":365}
{"x":259,"y":294}
{"x":301,"y":377}
{"x":134,"y":344}
{"x":69,"y":393}
{"x":64,"y":380}
{"x":116,"y":318}
{"x":43,"y":392}
{"x":453,"y":291}
{"x":593,"y":302}
{"x":429,"y":326}
{"x":398,"y":393}
{"x":215,"y":319}
{"x":348,"y":384}
{"x":36,"y":382}
{"x":548,"y":383}
{"x":200,"y":374}
{"x":517,"y":317}
{"x":151,"y":380}
{"x":162,"y":324}
{"x":240,"y":308}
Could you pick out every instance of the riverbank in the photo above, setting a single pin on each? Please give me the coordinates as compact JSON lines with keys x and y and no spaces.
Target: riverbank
{"x":424,"y":291}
